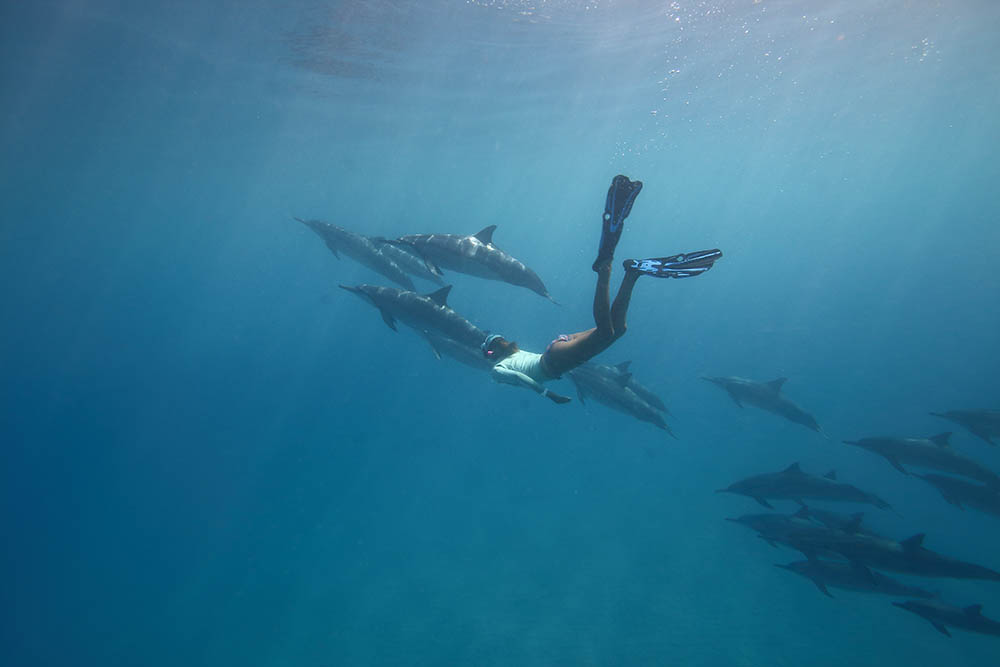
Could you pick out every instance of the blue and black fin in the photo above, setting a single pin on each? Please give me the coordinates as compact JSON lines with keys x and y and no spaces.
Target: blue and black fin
{"x":685,"y":265}
{"x":617,"y":206}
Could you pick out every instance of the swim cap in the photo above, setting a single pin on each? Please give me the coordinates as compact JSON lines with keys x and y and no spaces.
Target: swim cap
{"x":485,"y":347}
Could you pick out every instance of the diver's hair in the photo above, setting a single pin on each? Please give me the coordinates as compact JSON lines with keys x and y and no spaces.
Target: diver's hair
{"x":502,"y":348}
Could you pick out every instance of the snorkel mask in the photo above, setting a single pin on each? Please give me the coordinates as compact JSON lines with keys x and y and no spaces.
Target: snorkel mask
{"x":485,"y":347}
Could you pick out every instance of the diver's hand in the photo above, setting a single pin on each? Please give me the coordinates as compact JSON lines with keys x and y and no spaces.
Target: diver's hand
{"x":556,"y":398}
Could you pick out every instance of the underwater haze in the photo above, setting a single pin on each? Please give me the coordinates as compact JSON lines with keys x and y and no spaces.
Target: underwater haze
{"x":212,"y":455}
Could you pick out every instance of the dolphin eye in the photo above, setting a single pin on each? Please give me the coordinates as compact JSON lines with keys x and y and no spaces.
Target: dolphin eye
{"x":607,"y":216}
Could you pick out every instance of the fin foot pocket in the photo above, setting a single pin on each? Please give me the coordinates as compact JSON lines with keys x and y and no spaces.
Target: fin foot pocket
{"x":617,"y":206}
{"x":684,"y":265}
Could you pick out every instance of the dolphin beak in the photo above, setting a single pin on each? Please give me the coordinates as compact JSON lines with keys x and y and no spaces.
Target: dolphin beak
{"x":783,"y":567}
{"x":733,"y":520}
{"x":849,"y":442}
{"x":722,"y":491}
{"x":352,"y":290}
{"x":899,"y":604}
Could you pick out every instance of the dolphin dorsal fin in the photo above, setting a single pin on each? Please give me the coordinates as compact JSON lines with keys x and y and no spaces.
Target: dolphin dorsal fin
{"x":440,"y":297}
{"x":793,"y":468}
{"x":622,"y":379}
{"x":623,"y":366}
{"x":854,"y":525}
{"x":941,"y":439}
{"x":832,"y":475}
{"x":486,"y":234}
{"x":974,"y":610}
{"x":803,"y":513}
{"x":914,"y":542}
{"x":776,"y":384}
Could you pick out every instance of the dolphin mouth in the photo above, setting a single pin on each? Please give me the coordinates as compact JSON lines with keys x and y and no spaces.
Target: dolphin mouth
{"x":723,"y":491}
{"x":732,"y":519}
{"x":849,"y":442}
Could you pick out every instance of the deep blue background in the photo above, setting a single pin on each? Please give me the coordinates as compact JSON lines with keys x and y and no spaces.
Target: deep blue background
{"x":212,"y":455}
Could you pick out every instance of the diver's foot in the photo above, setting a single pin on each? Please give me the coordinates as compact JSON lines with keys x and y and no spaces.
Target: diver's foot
{"x":617,"y":206}
{"x":684,"y":265}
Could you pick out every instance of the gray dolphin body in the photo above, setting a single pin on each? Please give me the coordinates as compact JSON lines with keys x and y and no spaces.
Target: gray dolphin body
{"x":906,"y":557}
{"x":469,"y":355}
{"x":851,"y":577}
{"x":942,"y":616}
{"x":847,"y":523}
{"x":959,"y":492}
{"x":611,"y":389}
{"x":641,"y":391}
{"x":793,"y":484}
{"x":933,"y":452}
{"x":409,"y":260}
{"x":359,"y":248}
{"x":477,"y":256}
{"x":766,"y":396}
{"x":421,"y":312}
{"x":983,"y":424}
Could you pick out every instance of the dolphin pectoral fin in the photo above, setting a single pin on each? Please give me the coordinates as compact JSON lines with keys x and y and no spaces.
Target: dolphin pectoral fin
{"x":764,"y":502}
{"x":940,"y":628}
{"x":389,"y":320}
{"x":769,"y":541}
{"x":434,"y":348}
{"x":896,"y":464}
{"x":862,"y":570}
{"x":735,"y":399}
{"x":822,"y":588}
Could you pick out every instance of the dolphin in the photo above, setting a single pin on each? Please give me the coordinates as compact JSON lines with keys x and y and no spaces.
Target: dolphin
{"x":907,"y":557}
{"x":477,"y":256}
{"x":408,"y":259}
{"x":851,"y":577}
{"x":359,"y":248}
{"x":612,"y":390}
{"x":983,"y":424}
{"x":641,"y":391}
{"x":933,"y":452}
{"x":793,"y":484}
{"x":942,"y":616}
{"x":846,"y":523}
{"x":776,"y":528}
{"x":959,"y":493}
{"x":766,"y":396}
{"x":469,"y":355}
{"x":421,"y":312}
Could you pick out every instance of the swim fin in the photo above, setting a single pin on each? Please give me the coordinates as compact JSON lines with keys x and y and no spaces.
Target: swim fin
{"x":684,"y":265}
{"x":617,"y":206}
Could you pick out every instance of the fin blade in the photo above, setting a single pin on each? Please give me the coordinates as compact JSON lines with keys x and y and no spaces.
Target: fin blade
{"x":440,"y":297}
{"x":486,"y":234}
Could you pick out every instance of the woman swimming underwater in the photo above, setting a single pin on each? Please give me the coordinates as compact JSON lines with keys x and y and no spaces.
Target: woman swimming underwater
{"x":530,"y":369}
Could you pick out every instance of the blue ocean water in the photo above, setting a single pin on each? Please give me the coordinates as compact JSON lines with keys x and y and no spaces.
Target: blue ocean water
{"x":213,"y":455}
